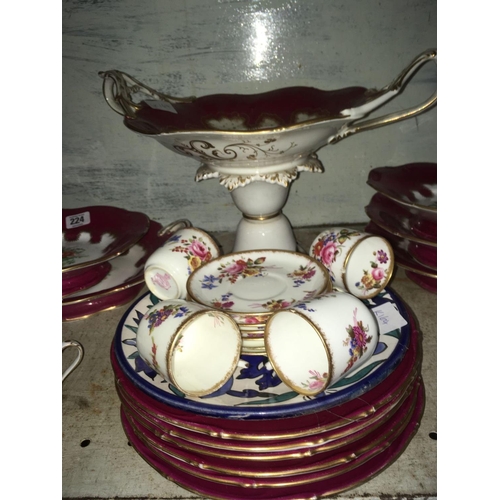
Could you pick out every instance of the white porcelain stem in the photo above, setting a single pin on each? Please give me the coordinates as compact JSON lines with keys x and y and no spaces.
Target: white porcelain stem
{"x":260,"y":199}
{"x":271,"y":234}
{"x":263,"y":226}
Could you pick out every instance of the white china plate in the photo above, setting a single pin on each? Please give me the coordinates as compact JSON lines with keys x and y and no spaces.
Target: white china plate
{"x":257,"y":281}
{"x":123,"y":282}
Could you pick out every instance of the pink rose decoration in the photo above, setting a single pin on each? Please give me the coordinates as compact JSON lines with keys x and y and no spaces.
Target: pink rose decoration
{"x":251,"y":320}
{"x":310,"y":274}
{"x":222,"y":305}
{"x":378,"y":273}
{"x":198,"y":249}
{"x":328,"y":253}
{"x":318,"y":380}
{"x":237,"y":268}
{"x":316,"y":384}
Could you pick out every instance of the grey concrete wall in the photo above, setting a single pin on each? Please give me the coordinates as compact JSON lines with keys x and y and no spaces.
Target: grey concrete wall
{"x":197,"y":47}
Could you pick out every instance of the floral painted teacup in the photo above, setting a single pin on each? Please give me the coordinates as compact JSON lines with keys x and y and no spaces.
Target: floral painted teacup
{"x":195,"y":348}
{"x":316,"y":343}
{"x":168,"y":268}
{"x":359,"y":263}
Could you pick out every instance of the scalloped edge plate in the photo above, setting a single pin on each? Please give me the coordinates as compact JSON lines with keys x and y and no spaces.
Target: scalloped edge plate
{"x":95,"y":234}
{"x":412,"y":184}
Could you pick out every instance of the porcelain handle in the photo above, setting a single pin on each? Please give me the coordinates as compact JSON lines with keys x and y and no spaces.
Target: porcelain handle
{"x":72,"y":343}
{"x":175,"y":226}
{"x":119,"y":87}
{"x":394,"y":88}
{"x":169,"y":228}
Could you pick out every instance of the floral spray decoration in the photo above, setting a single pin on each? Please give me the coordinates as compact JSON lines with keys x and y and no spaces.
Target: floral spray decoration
{"x":374,"y":277}
{"x":197,"y":250}
{"x":316,"y":380}
{"x":328,"y":248}
{"x":156,"y":317}
{"x":239,"y":268}
{"x":357,"y":340}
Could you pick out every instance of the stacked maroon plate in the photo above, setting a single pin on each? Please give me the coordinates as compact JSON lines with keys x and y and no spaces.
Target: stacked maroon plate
{"x":255,"y":437}
{"x":404,"y":211}
{"x":104,"y":250}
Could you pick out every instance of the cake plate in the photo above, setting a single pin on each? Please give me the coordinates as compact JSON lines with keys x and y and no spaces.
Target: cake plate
{"x":257,"y":144}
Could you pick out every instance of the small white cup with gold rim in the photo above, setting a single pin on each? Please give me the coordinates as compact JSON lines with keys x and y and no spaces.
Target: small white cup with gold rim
{"x":359,"y":263}
{"x":315,"y":343}
{"x":194,"y":347}
{"x":168,"y":268}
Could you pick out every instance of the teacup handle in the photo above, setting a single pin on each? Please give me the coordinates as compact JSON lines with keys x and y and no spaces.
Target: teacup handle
{"x":393,"y":88}
{"x":175,"y":226}
{"x":77,"y":360}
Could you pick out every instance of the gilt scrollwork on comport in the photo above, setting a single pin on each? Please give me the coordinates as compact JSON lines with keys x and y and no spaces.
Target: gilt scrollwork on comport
{"x":243,"y":150}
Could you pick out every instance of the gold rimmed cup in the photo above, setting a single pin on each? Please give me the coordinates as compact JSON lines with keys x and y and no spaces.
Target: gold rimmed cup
{"x":359,"y":263}
{"x":316,"y":343}
{"x":195,"y":348}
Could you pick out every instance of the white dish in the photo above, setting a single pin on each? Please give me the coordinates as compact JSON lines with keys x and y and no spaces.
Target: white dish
{"x":96,"y":234}
{"x":258,"y":282}
{"x":123,"y":282}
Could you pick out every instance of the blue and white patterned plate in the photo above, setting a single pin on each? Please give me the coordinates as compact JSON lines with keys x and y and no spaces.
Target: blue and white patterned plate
{"x":256,"y":392}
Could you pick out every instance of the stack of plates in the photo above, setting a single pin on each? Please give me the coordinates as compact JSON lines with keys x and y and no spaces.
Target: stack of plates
{"x":404,"y":211}
{"x":256,"y":438}
{"x":104,"y":250}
